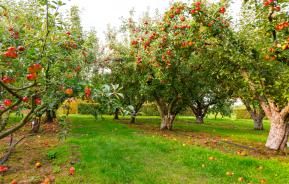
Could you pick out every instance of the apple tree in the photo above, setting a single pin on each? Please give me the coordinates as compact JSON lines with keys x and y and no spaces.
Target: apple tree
{"x":165,"y":50}
{"x":264,"y":28}
{"x":40,"y":60}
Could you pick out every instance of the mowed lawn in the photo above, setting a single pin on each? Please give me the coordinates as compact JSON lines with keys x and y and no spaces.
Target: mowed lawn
{"x":239,"y":130}
{"x":106,"y":151}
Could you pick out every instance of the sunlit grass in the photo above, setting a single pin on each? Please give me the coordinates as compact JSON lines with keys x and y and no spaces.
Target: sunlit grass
{"x":110,"y":152}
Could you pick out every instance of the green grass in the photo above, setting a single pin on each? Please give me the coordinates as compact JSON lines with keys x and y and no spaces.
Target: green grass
{"x":240,"y":130}
{"x":109,"y":152}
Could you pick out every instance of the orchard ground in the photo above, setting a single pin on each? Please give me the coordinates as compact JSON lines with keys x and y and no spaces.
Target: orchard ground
{"x":108,"y":151}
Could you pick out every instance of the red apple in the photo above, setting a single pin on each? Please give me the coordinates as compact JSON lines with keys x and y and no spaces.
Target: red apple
{"x":11,"y":49}
{"x":25,"y":99}
{"x":37,"y":67}
{"x":193,"y":11}
{"x":178,"y":11}
{"x":31,"y":76}
{"x":69,"y":91}
{"x":38,"y":101}
{"x":266,"y":3}
{"x":71,"y":170}
{"x":87,"y":91}
{"x":222,"y":10}
{"x":6,"y":79}
{"x":198,"y":3}
{"x":7,"y":102}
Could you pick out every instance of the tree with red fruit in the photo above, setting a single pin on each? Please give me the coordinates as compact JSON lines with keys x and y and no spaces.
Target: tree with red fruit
{"x":267,"y":73}
{"x":165,"y":48}
{"x":36,"y":60}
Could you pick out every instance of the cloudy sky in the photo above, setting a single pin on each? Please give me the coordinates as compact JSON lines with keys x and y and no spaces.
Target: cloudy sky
{"x":99,"y":13}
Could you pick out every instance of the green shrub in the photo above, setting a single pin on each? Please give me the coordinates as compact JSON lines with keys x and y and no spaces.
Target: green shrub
{"x":242,"y":114}
{"x":88,"y":108}
{"x":187,"y":112}
{"x":149,"y":109}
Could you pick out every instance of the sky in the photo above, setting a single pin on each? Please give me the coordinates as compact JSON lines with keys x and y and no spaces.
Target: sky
{"x":98,"y":14}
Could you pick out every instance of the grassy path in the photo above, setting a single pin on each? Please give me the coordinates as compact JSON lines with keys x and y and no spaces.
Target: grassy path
{"x":108,"y":152}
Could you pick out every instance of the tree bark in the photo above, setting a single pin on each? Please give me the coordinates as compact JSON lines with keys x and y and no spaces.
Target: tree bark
{"x":136,"y":110}
{"x":50,"y":116}
{"x":258,"y":123}
{"x":132,"y":120}
{"x":116,"y":112}
{"x":216,"y":115}
{"x":36,"y":125}
{"x":279,"y":119}
{"x":200,"y":119}
{"x":257,"y":114}
{"x":167,"y":113}
{"x":199,"y":111}
{"x":167,"y":122}
{"x":279,"y":129}
{"x":278,"y":135}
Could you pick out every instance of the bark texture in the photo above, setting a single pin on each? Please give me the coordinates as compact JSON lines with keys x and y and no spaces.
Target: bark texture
{"x":167,"y":122}
{"x":256,"y":112}
{"x":200,"y":110}
{"x":137,"y":108}
{"x":50,"y":116}
{"x":279,"y":128}
{"x":168,"y":112}
{"x":36,"y":125}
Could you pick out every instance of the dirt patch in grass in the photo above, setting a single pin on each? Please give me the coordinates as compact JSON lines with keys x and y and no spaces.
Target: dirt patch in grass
{"x":32,"y":150}
{"x":222,"y":143}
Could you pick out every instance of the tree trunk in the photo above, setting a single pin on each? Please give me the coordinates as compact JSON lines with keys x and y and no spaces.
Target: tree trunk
{"x":216,"y":115}
{"x":200,"y":110}
{"x":167,"y":122}
{"x":132,"y":120}
{"x":116,"y":112}
{"x":50,"y":116}
{"x":258,"y":123}
{"x":200,"y":119}
{"x":256,"y":113}
{"x":168,"y":112}
{"x":35,"y":125}
{"x":278,"y":135}
{"x":136,"y":110}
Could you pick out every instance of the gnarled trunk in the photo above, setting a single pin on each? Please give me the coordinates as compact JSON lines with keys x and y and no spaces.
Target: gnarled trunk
{"x":137,"y":107}
{"x":279,"y":118}
{"x":50,"y":116}
{"x":168,"y":112}
{"x":167,"y":122}
{"x":36,"y":125}
{"x":256,"y":112}
{"x":200,"y":110}
{"x":279,"y":129}
{"x":278,"y":135}
{"x":258,"y":123}
{"x":200,"y":119}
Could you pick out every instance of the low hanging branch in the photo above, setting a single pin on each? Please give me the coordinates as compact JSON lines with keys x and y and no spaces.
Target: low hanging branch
{"x":17,"y":127}
{"x":24,"y":120}
{"x":10,"y":149}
